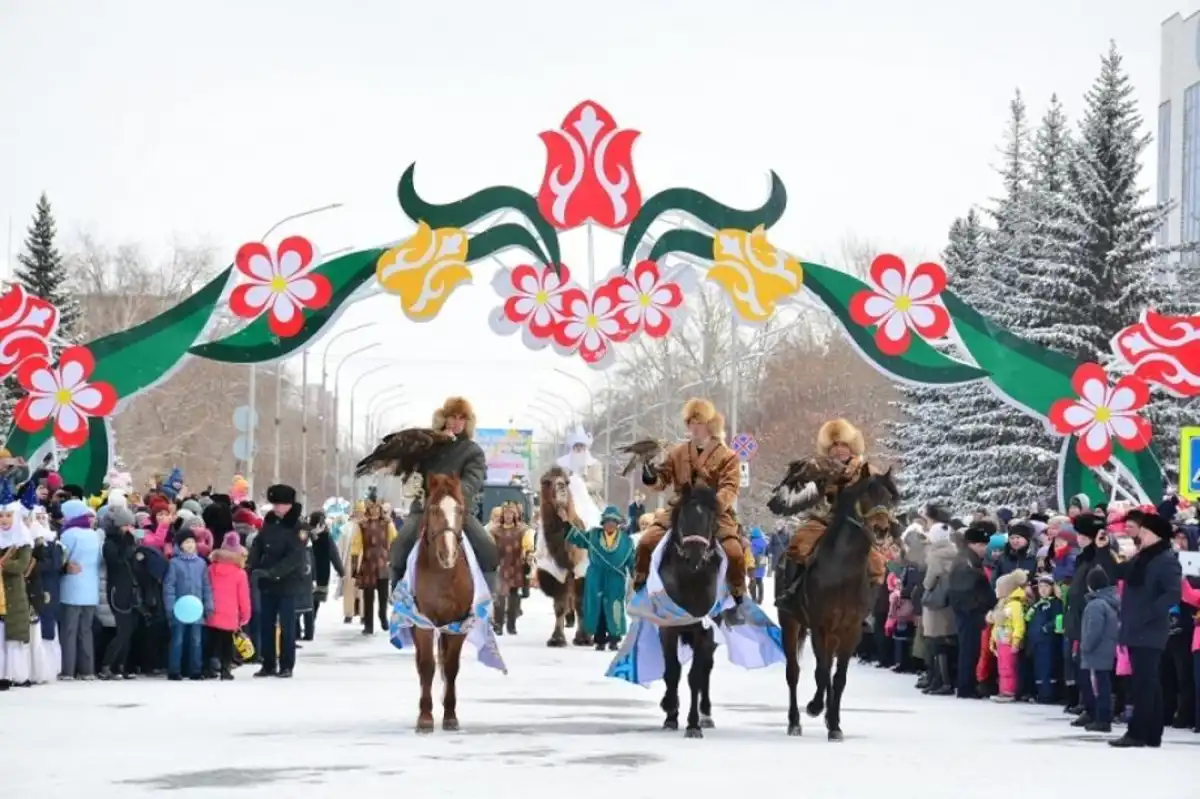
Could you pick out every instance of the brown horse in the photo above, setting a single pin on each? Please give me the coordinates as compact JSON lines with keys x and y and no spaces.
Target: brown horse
{"x":444,"y":594}
{"x":832,"y":595}
{"x":567,"y":595}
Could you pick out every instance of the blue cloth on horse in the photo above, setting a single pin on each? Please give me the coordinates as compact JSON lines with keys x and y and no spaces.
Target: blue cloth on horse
{"x":755,"y":644}
{"x":476,"y":626}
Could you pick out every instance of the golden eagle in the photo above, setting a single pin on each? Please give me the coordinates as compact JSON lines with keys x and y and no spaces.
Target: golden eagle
{"x":807,"y":484}
{"x":402,"y":453}
{"x":642,"y":452}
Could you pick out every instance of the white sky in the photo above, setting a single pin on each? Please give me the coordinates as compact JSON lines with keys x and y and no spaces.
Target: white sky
{"x":153,"y":122}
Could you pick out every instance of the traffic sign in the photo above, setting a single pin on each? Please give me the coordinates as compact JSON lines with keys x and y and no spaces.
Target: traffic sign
{"x":1189,"y":463}
{"x":744,"y":469}
{"x":245,"y":418}
{"x":744,"y":445}
{"x":242,"y":448}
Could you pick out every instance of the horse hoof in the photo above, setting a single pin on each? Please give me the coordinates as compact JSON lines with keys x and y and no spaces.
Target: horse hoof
{"x":424,"y":726}
{"x":693,"y":732}
{"x":671,"y":724}
{"x":450,"y":725}
{"x":814,"y":709}
{"x":556,"y":643}
{"x":835,"y":735}
{"x":706,"y":723}
{"x":795,"y":731}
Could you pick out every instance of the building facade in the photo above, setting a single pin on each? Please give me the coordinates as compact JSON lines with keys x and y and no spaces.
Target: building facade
{"x":1178,"y":128}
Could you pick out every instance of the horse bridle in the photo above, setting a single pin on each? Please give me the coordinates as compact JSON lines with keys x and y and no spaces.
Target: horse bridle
{"x":458,"y":534}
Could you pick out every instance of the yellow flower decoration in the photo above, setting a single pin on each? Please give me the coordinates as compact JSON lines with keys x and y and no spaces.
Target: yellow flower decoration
{"x":753,"y":273}
{"x":424,"y":270}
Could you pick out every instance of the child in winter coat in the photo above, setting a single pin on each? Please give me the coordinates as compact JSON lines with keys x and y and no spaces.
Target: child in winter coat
{"x":187,"y":575}
{"x":1008,"y":631}
{"x":1098,"y":650}
{"x":231,"y":599}
{"x":1043,"y":630}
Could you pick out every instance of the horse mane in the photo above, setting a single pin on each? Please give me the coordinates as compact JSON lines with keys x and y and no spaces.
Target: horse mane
{"x":845,"y":508}
{"x":554,"y":529}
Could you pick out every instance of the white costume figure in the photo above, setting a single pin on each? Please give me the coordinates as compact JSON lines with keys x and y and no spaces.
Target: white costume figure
{"x":16,"y":663}
{"x":585,"y":474}
{"x":45,"y":656}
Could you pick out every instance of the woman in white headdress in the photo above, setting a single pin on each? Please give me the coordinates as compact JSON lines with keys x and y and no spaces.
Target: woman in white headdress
{"x":585,"y":476}
{"x":16,"y":553}
{"x":46,"y":653}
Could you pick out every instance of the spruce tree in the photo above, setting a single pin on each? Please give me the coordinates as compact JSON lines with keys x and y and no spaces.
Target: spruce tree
{"x":999,"y":455}
{"x":42,"y":270}
{"x":921,"y":432}
{"x":1117,"y":229}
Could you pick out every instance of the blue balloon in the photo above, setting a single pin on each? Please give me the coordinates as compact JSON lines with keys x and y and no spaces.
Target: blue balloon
{"x":188,"y":609}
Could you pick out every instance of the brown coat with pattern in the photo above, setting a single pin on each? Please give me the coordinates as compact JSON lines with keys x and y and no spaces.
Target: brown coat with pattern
{"x":717,"y":467}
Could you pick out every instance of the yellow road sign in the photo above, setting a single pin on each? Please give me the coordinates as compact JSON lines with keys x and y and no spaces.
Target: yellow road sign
{"x":1189,"y":463}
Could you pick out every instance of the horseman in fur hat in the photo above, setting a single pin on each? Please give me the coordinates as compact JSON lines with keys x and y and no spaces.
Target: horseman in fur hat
{"x":841,"y":455}
{"x":703,"y":459}
{"x":461,"y":458}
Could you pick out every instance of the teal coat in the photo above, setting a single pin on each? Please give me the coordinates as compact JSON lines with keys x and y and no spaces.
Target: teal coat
{"x":608,"y":571}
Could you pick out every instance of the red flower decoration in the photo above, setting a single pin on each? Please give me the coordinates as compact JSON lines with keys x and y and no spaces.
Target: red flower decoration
{"x":63,"y":393}
{"x":589,"y":171}
{"x":533,"y":303}
{"x":283,"y":285}
{"x":1164,"y":350}
{"x":645,"y":300}
{"x":1101,"y":412}
{"x":27,"y":322}
{"x":902,"y":302}
{"x":592,"y":322}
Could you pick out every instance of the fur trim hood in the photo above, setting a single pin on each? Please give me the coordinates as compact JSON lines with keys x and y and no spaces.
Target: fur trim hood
{"x":455,"y":406}
{"x":1011,"y":582}
{"x":839,"y":431}
{"x":702,"y":411}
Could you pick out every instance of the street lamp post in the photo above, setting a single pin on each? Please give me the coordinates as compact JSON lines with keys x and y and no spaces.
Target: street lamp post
{"x":326,"y":401}
{"x":353,"y":395}
{"x":337,"y":408}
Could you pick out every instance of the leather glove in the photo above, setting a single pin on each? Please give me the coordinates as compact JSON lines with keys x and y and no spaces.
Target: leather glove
{"x":649,"y":474}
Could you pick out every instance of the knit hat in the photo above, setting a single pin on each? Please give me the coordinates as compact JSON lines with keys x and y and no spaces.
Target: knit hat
{"x":1048,"y":579}
{"x":190,"y":522}
{"x":996,"y":542}
{"x":54,"y":481}
{"x":183,"y":535}
{"x":121,"y":516}
{"x":1097,"y":579}
{"x":232,"y":542}
{"x":1005,"y":515}
{"x":611,"y":514}
{"x":1021,"y":529}
{"x":976,"y":535}
{"x":184,"y":513}
{"x":75,"y":509}
{"x":939,"y":533}
{"x":117,"y":499}
{"x":193,"y":506}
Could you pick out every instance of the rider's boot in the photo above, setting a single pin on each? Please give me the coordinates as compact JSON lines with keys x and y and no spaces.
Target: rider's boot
{"x":498,"y":613}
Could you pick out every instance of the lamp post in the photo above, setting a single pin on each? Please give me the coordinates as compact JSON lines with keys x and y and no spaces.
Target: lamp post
{"x":326,"y":401}
{"x":337,"y":407}
{"x":353,"y":394}
{"x":252,"y":388}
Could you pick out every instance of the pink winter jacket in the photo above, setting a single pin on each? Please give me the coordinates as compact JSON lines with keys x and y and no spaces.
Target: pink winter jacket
{"x":1191,"y":596}
{"x":157,"y":538}
{"x":231,"y":596}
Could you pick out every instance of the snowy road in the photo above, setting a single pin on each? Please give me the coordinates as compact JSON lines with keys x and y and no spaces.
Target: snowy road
{"x":554,"y":724}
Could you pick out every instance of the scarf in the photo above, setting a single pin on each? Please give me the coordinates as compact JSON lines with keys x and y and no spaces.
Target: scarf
{"x":17,"y":535}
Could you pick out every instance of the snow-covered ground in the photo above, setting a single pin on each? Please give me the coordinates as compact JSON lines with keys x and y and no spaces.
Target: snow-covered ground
{"x":554,"y":725}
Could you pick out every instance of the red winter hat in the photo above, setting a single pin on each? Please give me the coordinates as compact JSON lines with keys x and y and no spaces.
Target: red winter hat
{"x":245,"y":516}
{"x":54,"y":481}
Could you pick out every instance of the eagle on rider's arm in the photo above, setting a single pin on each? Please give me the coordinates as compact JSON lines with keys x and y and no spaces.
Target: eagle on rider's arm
{"x":806,"y":485}
{"x":642,"y":452}
{"x":402,"y":453}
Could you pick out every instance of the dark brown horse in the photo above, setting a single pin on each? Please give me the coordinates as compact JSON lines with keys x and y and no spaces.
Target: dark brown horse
{"x":833,"y":595}
{"x":444,"y":594}
{"x":567,"y":595}
{"x":689,"y":567}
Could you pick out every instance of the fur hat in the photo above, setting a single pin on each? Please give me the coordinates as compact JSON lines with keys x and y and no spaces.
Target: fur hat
{"x":281,"y":495}
{"x":702,"y":411}
{"x":1088,"y":524}
{"x":976,"y":535}
{"x":455,"y":406}
{"x":1022,"y":529}
{"x":1011,"y":582}
{"x":839,"y":431}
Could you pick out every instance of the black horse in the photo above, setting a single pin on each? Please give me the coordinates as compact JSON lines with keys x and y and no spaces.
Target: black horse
{"x":689,"y":567}
{"x":830,"y":596}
